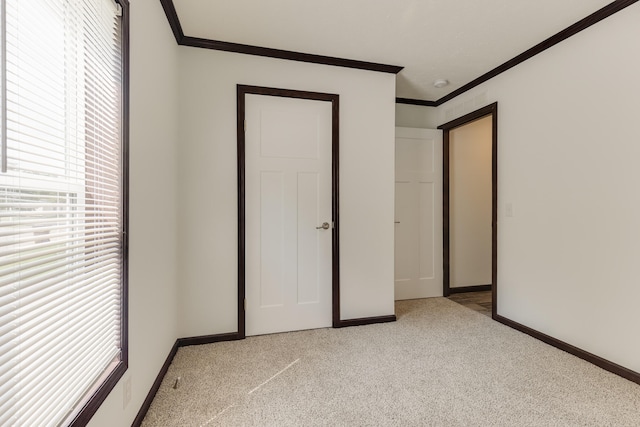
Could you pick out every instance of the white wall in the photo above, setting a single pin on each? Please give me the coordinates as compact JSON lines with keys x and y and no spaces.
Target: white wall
{"x":470,"y":203}
{"x":416,"y":116}
{"x":207,"y":167}
{"x":153,"y":220}
{"x":569,"y":145}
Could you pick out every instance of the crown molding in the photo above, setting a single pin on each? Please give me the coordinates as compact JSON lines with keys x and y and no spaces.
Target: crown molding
{"x":410,"y":101}
{"x":183,"y":40}
{"x":570,"y":31}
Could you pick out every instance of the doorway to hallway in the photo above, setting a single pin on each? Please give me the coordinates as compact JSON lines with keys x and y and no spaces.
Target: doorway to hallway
{"x":469,"y":206}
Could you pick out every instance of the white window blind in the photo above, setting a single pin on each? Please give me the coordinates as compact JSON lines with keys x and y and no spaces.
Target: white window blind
{"x":61,"y":206}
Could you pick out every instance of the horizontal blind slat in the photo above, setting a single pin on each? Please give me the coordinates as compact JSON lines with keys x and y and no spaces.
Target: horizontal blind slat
{"x":56,"y":377}
{"x":44,"y":269}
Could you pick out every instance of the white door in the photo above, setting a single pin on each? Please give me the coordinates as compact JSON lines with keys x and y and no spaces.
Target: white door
{"x":288,"y":265}
{"x":418,"y":236}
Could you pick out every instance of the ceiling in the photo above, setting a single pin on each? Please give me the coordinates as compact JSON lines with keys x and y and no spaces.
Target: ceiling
{"x":432,"y":39}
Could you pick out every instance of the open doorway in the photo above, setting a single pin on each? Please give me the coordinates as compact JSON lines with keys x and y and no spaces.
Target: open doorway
{"x":470,"y":209}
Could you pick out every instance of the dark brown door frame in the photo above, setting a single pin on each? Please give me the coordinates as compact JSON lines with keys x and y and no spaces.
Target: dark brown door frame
{"x":489,"y":110}
{"x":243,"y":90}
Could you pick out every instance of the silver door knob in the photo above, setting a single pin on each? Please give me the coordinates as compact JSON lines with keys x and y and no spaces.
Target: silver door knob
{"x":324,"y":226}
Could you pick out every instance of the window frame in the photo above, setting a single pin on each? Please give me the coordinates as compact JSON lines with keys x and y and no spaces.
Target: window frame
{"x":108,"y":382}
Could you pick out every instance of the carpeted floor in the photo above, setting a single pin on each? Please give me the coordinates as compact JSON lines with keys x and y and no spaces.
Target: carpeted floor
{"x":440,"y":364}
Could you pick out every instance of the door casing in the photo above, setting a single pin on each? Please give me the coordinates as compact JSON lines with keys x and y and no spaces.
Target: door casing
{"x":489,"y":110}
{"x":243,"y":90}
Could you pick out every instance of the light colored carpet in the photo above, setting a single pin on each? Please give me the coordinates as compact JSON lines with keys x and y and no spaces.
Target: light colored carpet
{"x":440,"y":364}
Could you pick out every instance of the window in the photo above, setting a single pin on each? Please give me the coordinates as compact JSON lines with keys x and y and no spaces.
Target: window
{"x":63,"y":217}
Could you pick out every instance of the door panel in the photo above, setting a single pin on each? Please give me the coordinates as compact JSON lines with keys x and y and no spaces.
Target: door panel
{"x":406,"y":253}
{"x":427,"y":231}
{"x":272,"y":256}
{"x":309,"y":250}
{"x":288,"y":262}
{"x":418,"y":240}
{"x":287,"y":133}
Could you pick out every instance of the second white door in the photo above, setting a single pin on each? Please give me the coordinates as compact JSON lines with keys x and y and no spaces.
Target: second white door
{"x":288,"y":255}
{"x":418,"y":228}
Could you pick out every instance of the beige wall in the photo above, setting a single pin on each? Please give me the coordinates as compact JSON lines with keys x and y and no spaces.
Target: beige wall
{"x":416,"y":116}
{"x":569,"y":145}
{"x":208,"y":214}
{"x":153,"y":209}
{"x":470,"y":204}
